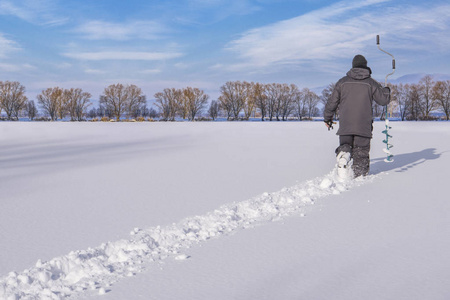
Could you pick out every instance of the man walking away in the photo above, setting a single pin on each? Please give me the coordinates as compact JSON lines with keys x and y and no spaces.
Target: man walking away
{"x":353,"y":95}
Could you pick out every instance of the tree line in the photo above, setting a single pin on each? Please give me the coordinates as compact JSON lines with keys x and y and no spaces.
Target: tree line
{"x":418,"y":101}
{"x":238,"y":100}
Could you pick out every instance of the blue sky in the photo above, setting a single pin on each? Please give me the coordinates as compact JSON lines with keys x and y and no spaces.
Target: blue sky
{"x":91,"y":44}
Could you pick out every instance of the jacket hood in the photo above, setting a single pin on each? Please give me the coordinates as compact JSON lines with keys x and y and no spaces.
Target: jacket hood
{"x":359,"y":73}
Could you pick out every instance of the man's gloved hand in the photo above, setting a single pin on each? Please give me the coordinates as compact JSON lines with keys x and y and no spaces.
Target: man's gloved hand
{"x":329,"y":124}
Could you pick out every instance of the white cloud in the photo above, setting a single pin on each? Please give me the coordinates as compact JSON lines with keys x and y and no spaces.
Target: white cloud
{"x":94,"y":71}
{"x":7,"y":46}
{"x":100,"y":30}
{"x":40,"y":12}
{"x":122,"y":55}
{"x":15,"y":68}
{"x":340,"y":31}
{"x":207,"y":12}
{"x":151,"y":71}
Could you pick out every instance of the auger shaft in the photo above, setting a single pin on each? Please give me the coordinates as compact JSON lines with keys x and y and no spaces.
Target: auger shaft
{"x":390,"y":156}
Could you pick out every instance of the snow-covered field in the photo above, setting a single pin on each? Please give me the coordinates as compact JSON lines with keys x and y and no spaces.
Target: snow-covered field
{"x":220,"y":211}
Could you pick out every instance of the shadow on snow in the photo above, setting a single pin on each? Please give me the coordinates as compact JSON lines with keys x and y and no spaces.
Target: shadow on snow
{"x":404,"y":162}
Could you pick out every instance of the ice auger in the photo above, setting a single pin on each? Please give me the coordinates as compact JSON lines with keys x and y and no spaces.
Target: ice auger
{"x":387,"y":150}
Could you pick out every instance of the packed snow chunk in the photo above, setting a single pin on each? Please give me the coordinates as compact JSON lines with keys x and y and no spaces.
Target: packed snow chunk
{"x":39,"y":264}
{"x":44,"y":276}
{"x":135,"y":231}
{"x":24,"y":279}
{"x":119,"y":256}
{"x":75,"y":275}
{"x":326,"y":183}
{"x":48,"y":294}
{"x":101,"y":291}
{"x":307,"y":200}
{"x":182,"y":257}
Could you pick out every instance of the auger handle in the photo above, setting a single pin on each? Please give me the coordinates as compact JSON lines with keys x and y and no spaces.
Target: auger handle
{"x":393,"y":60}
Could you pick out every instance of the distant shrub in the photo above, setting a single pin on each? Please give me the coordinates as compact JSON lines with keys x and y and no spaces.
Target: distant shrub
{"x":42,"y":119}
{"x":94,"y":120}
{"x":429,"y":118}
{"x":140,"y":119}
{"x":151,"y":120}
{"x":104,"y":119}
{"x":203,"y":119}
{"x":112,"y":120}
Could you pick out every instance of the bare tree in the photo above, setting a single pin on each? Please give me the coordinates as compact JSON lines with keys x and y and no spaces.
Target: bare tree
{"x":182,"y":103}
{"x":311,"y":100}
{"x":63,"y":104}
{"x":225,"y":105}
{"x":259,"y":94}
{"x":414,"y":109}
{"x":273,"y":94}
{"x":92,"y":113}
{"x":233,"y":97}
{"x":50,"y":100}
{"x":287,"y":99}
{"x":299,"y":103}
{"x":441,"y":92}
{"x":12,"y":98}
{"x":120,"y":99}
{"x":152,"y":113}
{"x":31,"y":110}
{"x":77,"y":103}
{"x":167,"y":102}
{"x":136,"y":100}
{"x":195,"y":101}
{"x":429,"y":103}
{"x":249,"y":99}
{"x":213,"y":110}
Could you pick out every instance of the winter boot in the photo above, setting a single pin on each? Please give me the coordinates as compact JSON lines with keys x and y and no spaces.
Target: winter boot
{"x":361,"y":161}
{"x":344,"y":166}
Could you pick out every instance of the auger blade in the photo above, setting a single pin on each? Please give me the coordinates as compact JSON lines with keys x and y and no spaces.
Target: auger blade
{"x":389,"y":159}
{"x":386,"y":133}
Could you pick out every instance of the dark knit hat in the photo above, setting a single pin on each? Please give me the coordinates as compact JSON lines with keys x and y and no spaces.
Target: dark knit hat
{"x":359,"y":61}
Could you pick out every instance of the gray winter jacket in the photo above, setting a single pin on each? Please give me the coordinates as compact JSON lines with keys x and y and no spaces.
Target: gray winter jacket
{"x":354,"y":95}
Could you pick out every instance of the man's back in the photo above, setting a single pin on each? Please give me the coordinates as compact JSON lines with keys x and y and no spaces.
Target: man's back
{"x":354,"y":95}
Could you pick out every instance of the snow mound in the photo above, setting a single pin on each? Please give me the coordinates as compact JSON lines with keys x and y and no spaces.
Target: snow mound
{"x":96,"y":268}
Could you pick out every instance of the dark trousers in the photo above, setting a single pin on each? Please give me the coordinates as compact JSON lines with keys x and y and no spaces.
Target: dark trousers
{"x":359,"y":149}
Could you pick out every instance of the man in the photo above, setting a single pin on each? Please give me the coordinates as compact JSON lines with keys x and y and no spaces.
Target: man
{"x":353,"y":95}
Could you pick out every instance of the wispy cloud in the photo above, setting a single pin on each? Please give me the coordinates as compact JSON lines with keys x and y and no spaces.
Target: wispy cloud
{"x":151,"y":71}
{"x":100,"y":30}
{"x":7,"y":46}
{"x":94,"y":71}
{"x":340,"y":31}
{"x":201,"y":12}
{"x":40,"y":12}
{"x":5,"y":67}
{"x":122,"y":55}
